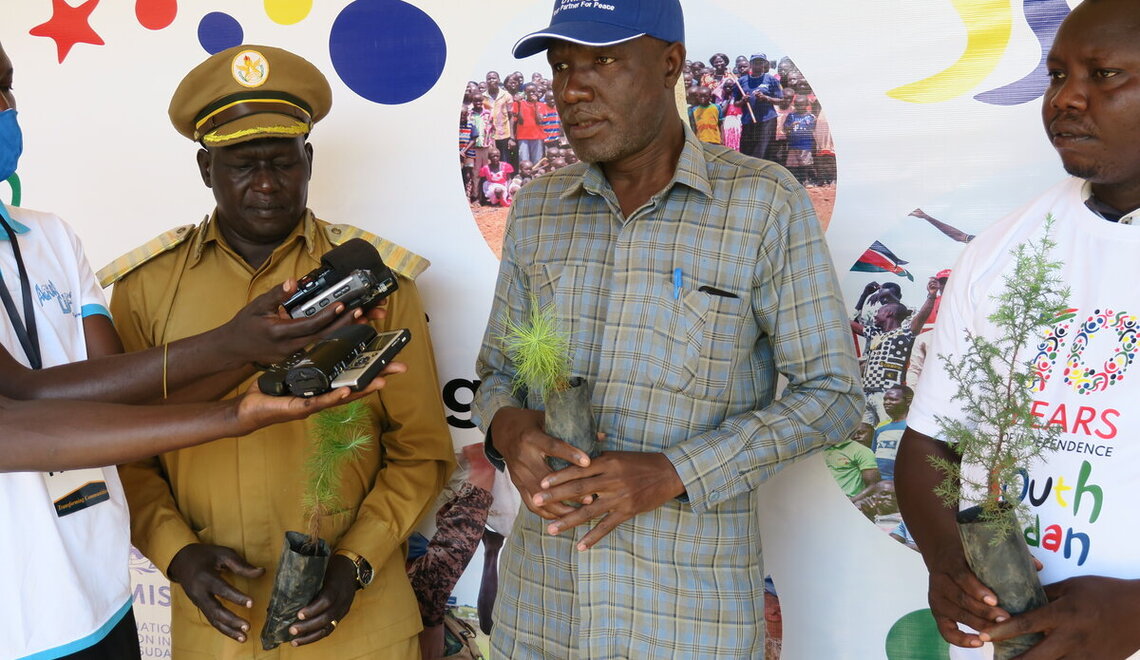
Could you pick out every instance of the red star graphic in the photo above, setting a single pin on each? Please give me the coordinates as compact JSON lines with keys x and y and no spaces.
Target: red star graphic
{"x":68,"y":26}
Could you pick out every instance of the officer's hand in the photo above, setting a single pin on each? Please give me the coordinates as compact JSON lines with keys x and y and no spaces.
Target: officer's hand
{"x":198,"y":568}
{"x":320,"y":618}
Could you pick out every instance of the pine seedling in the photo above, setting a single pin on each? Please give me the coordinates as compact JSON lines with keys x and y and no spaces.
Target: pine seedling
{"x":996,"y":379}
{"x":338,"y":435}
{"x":539,"y":350}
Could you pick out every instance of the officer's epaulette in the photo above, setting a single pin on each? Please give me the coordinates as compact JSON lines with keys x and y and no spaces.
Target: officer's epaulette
{"x":118,"y":269}
{"x":400,"y":259}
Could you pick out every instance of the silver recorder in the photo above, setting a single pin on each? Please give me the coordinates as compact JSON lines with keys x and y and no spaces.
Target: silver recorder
{"x":372,"y":360}
{"x":357,"y":290}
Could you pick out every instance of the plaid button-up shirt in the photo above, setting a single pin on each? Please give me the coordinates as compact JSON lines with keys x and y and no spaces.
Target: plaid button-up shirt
{"x":690,"y":372}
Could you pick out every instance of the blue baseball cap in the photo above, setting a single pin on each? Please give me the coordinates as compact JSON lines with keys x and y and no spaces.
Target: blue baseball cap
{"x":606,"y":22}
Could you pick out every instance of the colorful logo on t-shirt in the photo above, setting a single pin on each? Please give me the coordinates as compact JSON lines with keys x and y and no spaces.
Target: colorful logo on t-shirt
{"x":1083,"y":375}
{"x":47,"y":292}
{"x":1091,"y":352}
{"x":1080,"y":496}
{"x":1085,"y":379}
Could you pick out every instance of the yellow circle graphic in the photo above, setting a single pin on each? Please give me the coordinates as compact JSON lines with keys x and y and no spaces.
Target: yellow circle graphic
{"x":288,"y":12}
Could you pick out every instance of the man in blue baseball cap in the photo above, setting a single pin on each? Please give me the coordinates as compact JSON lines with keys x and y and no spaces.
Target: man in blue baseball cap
{"x":688,"y":277}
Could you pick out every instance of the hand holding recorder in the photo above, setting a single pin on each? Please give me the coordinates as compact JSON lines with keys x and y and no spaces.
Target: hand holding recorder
{"x":354,"y":275}
{"x":349,"y":357}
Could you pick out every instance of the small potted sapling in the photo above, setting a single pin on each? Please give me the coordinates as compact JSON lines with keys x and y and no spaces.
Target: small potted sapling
{"x":540,"y":351}
{"x":338,"y":435}
{"x":998,"y":435}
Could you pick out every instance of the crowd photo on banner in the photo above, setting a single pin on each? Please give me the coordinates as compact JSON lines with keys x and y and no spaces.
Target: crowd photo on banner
{"x":892,"y":320}
{"x":510,"y":132}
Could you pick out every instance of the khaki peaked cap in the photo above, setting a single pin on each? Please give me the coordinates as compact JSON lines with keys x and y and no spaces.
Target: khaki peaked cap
{"x":249,"y":92}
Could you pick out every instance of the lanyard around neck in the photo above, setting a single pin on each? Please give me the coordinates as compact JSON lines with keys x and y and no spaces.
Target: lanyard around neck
{"x":27,"y":335}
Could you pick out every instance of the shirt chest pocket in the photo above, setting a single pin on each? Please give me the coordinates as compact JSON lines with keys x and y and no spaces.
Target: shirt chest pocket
{"x":560,"y":290}
{"x":701,"y":337}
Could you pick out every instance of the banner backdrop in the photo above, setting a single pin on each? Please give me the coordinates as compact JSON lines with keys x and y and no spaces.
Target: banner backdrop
{"x":933,"y":115}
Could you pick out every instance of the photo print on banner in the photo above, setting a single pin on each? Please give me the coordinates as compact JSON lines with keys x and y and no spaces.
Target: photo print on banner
{"x":510,"y":132}
{"x":900,"y":278}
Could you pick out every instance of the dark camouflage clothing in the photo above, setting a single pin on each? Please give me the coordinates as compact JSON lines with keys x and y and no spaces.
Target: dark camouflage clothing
{"x":459,"y":528}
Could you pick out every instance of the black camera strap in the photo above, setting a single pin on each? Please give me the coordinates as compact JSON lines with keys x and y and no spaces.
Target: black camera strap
{"x":27,"y":334}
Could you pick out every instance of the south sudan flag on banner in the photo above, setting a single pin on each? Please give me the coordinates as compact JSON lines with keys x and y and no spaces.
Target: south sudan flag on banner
{"x":879,"y":259}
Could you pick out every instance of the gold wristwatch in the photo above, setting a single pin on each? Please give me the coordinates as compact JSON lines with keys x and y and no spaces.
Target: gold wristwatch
{"x":364,"y":572}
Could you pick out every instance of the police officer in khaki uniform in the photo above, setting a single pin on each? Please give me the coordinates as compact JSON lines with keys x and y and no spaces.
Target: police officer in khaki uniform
{"x":213,"y":517}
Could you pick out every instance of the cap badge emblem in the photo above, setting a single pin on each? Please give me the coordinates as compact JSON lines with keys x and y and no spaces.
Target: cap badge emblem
{"x":250,"y":68}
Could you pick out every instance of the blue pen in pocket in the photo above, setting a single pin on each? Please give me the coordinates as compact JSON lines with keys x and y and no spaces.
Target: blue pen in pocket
{"x":677,"y":279}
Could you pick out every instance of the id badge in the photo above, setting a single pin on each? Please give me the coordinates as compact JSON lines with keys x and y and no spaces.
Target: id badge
{"x":76,"y":490}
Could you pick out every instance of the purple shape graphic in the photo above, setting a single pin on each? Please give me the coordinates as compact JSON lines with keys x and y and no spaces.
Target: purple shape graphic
{"x":1044,"y":17}
{"x":387,"y":51}
{"x":218,"y":31}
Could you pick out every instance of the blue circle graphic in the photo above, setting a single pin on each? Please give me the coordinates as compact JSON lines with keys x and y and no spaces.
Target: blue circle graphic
{"x":387,"y":51}
{"x":218,"y":31}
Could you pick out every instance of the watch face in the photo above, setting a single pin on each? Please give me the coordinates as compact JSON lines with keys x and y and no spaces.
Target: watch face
{"x":364,"y":573}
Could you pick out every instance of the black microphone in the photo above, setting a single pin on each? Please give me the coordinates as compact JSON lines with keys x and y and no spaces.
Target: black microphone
{"x":352,"y":273}
{"x":352,"y":255}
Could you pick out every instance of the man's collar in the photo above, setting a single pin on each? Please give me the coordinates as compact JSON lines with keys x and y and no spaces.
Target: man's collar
{"x":18,"y":227}
{"x":209,"y":231}
{"x":692,"y":166}
{"x":1104,"y":210}
{"x":692,"y":170}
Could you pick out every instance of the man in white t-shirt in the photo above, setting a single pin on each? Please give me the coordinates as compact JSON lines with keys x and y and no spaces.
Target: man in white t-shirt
{"x":1082,"y":495}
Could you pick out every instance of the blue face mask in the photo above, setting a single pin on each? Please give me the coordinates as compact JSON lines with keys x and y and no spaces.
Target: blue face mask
{"x":11,"y":143}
